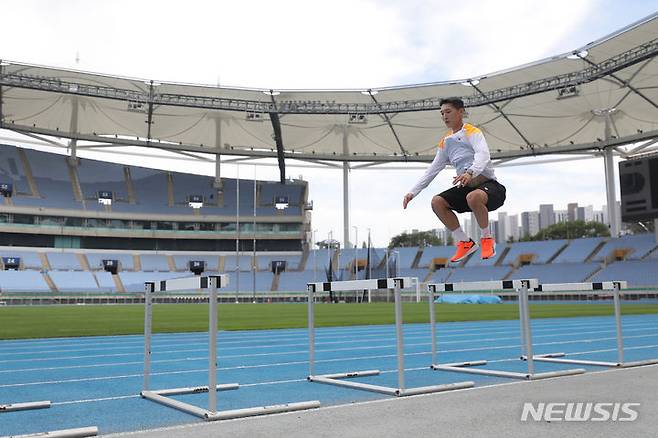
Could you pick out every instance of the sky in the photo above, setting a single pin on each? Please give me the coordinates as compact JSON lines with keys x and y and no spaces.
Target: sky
{"x":331,"y":44}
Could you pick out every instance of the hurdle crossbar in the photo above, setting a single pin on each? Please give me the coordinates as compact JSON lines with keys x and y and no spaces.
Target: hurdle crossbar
{"x":593,"y":288}
{"x":397,"y":284}
{"x":81,"y":432}
{"x":24,"y":406}
{"x":199,"y":283}
{"x":522,"y":287}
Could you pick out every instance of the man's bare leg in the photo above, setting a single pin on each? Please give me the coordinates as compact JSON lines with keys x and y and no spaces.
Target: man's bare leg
{"x":477,"y":201}
{"x":442,"y":210}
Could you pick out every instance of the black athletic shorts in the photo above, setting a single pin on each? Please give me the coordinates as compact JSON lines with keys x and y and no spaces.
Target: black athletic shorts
{"x":456,"y":196}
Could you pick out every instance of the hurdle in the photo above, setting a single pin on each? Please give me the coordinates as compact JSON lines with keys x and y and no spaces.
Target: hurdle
{"x":397,"y":284}
{"x":24,"y":406}
{"x":593,"y":289}
{"x":80,"y":432}
{"x":522,"y":287}
{"x":211,"y":283}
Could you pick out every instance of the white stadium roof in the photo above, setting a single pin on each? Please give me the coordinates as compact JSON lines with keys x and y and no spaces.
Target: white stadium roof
{"x":556,"y":105}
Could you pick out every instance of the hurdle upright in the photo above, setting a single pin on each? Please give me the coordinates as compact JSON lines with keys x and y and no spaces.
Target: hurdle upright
{"x":211,"y":283}
{"x":397,"y":284}
{"x":522,"y":287}
{"x":593,"y":289}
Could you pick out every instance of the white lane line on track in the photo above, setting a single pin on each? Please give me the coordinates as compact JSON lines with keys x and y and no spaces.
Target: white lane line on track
{"x":278,"y":382}
{"x":320,"y":350}
{"x":342,"y":359}
{"x":221,"y":345}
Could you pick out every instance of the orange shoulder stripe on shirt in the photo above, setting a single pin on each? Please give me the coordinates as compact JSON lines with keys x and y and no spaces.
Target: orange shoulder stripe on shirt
{"x":470,"y":129}
{"x":441,"y":142}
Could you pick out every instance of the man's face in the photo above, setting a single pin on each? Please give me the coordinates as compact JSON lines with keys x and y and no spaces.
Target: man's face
{"x":451,"y":115}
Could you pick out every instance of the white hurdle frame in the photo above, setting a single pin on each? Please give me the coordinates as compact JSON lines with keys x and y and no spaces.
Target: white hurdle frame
{"x":593,"y":289}
{"x":397,"y":284}
{"x":522,"y":287}
{"x":212,"y":283}
{"x":24,"y":406}
{"x":80,"y":432}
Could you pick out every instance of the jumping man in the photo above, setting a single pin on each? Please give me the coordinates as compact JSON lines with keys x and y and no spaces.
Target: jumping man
{"x":475,"y":186}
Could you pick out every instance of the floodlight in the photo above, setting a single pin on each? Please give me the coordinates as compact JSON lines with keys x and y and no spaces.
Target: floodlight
{"x":578,"y":54}
{"x":271,"y":92}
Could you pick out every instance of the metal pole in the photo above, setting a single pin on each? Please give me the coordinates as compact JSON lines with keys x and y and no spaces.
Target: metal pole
{"x":253,"y":262}
{"x":386,"y":255}
{"x":148,"y":316}
{"x":237,"y":230}
{"x":346,"y":192}
{"x":620,"y":338}
{"x":528,"y":330}
{"x":610,"y":179}
{"x":212,"y":347}
{"x":311,"y":334}
{"x":432,"y":324}
{"x":522,"y":314}
{"x":315,"y":258}
{"x":356,"y":250}
{"x":399,"y":335}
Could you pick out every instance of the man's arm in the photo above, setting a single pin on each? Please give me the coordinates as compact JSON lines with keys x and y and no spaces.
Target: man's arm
{"x":438,"y":164}
{"x":482,"y":155}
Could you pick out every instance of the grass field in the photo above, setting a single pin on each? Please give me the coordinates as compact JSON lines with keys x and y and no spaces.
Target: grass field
{"x":70,"y":321}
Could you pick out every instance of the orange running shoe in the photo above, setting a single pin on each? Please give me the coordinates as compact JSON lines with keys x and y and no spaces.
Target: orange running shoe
{"x":463,"y":249}
{"x":488,"y":247}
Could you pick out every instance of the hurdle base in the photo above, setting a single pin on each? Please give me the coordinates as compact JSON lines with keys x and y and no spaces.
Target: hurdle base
{"x":64,"y":433}
{"x":465,"y":367}
{"x":196,"y":389}
{"x":25,"y":406}
{"x":556,"y":358}
{"x":207,"y":415}
{"x":335,"y":379}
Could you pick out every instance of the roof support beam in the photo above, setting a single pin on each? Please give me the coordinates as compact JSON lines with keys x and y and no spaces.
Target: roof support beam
{"x":387,"y":119}
{"x":278,"y":138}
{"x":500,"y":111}
{"x":623,"y":82}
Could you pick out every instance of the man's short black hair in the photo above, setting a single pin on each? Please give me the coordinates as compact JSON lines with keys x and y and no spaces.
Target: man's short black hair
{"x":454,"y":101}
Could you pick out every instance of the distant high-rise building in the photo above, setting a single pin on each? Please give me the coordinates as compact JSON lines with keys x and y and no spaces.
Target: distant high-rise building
{"x":561,"y":216}
{"x":572,"y":211}
{"x":546,"y":216}
{"x":514,"y":226}
{"x":502,"y":227}
{"x":530,"y":223}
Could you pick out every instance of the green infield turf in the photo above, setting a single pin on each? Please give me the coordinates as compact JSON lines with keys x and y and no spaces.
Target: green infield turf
{"x":65,"y":321}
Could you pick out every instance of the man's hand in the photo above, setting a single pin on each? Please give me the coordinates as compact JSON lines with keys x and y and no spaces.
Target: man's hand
{"x":462,"y":180}
{"x":407,"y":198}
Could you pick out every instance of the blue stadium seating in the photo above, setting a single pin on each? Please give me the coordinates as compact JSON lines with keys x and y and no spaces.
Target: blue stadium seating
{"x":476,"y":259}
{"x":51,"y":174}
{"x":29,"y":259}
{"x":23,"y":281}
{"x":432,"y":252}
{"x":230,"y":262}
{"x":479,"y":273}
{"x":556,"y":272}
{"x":639,"y":244}
{"x":543,"y":250}
{"x":420,"y":273}
{"x":578,"y":250}
{"x":12,"y":171}
{"x":263,"y":282}
{"x":407,"y":256}
{"x":296,"y":281}
{"x":154,"y":262}
{"x":74,"y":281}
{"x":105,"y":282}
{"x":635,"y":272}
{"x":95,"y":176}
{"x":65,"y":261}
